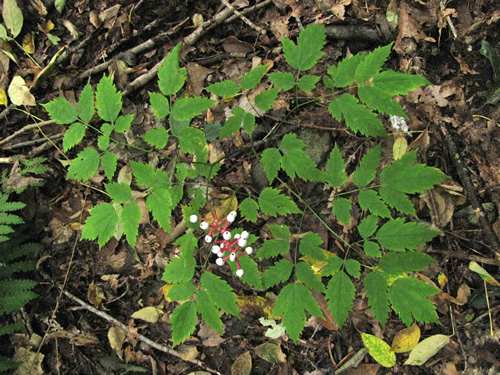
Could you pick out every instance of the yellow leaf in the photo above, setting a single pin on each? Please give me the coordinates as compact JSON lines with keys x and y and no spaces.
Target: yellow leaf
{"x":166,"y":288}
{"x":399,"y":148}
{"x":256,"y":305}
{"x":29,"y":43}
{"x":187,"y":352}
{"x":442,"y":280}
{"x":19,"y":92}
{"x":116,"y":338}
{"x":149,"y":314}
{"x":3,"y":98}
{"x":379,"y":350}
{"x":225,"y":206}
{"x":406,"y":339}
{"x":318,"y":265}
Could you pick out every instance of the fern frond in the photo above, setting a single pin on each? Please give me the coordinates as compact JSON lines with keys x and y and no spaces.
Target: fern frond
{"x":9,"y":328}
{"x":5,"y":229}
{"x":9,"y":303}
{"x":12,"y":251}
{"x":10,"y":219}
{"x":10,"y":206}
{"x":15,"y":286}
{"x":7,"y":270}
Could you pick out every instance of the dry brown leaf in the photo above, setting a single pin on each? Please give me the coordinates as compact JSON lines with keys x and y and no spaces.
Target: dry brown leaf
{"x":116,"y":338}
{"x":270,"y":352}
{"x":242,"y":365}
{"x":408,"y":28}
{"x":365,"y":369}
{"x":209,"y":336}
{"x":235,"y":46}
{"x":328,"y":322}
{"x":196,"y":78}
{"x":187,"y":352}
{"x":95,"y":294}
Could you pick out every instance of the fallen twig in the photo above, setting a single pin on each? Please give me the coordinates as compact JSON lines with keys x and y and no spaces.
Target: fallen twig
{"x":259,"y":30}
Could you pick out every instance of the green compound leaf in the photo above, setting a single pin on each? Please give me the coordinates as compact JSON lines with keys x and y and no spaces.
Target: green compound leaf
{"x":293,"y":302}
{"x":144,"y":174}
{"x":376,"y":288}
{"x":85,"y":165}
{"x":273,"y":203}
{"x":298,"y":162}
{"x":103,"y":142}
{"x":233,"y":123}
{"x":408,"y":298}
{"x":310,"y":246}
{"x":336,"y":175}
{"x":160,"y":205}
{"x":372,"y":63}
{"x":380,"y":101}
{"x":369,"y":200}
{"x":291,"y":142}
{"x":400,"y":263}
{"x":170,"y":77}
{"x":131,"y":215}
{"x":209,"y":312}
{"x":398,"y":200}
{"x":341,"y":207}
{"x":284,"y":81}
{"x":252,"y":78}
{"x":192,"y":141}
{"x":160,"y":104}
{"x":353,"y":268}
{"x":372,"y":249}
{"x":179,"y":270}
{"x":86,"y":106}
{"x":108,"y":100}
{"x":157,"y":137}
{"x":188,"y":244}
{"x":340,"y":294}
{"x":367,"y":169}
{"x":395,"y":83}
{"x":307,"y":52}
{"x":308,"y":83}
{"x":343,"y":73}
{"x":120,"y":192}
{"x":281,"y":243}
{"x":181,"y":292}
{"x":277,"y":273}
{"x":220,"y":292}
{"x":379,"y":350}
{"x":251,"y":275}
{"x":368,"y":226}
{"x":106,"y":129}
{"x":397,"y":235}
{"x":271,"y":163}
{"x":123,"y":123}
{"x":186,"y":109}
{"x":183,"y":322}
{"x":101,"y":224}
{"x":109,"y":163}
{"x":73,"y":135}
{"x":249,"y":208}
{"x":357,"y":117}
{"x":224,"y":89}
{"x":266,"y":99}
{"x":305,"y":274}
{"x":61,"y":111}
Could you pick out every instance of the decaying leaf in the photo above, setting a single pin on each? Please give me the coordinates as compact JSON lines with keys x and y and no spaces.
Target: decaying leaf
{"x":256,"y":305}
{"x":187,"y":352}
{"x":12,"y":16}
{"x":29,"y":43}
{"x":474,"y":266}
{"x":276,"y":330}
{"x":149,"y":314}
{"x":426,"y":349}
{"x":399,"y":148}
{"x":270,"y":352}
{"x":406,"y":339}
{"x":116,"y":338}
{"x":242,"y":365}
{"x":95,"y":294}
{"x":19,"y":93}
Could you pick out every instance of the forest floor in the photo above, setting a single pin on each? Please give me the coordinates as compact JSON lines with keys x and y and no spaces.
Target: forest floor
{"x":455,"y":125}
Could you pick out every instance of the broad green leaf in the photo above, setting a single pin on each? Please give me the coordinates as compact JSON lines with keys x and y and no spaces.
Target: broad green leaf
{"x":380,"y":101}
{"x":61,"y":111}
{"x":266,"y":99}
{"x":397,"y":235}
{"x":131,"y":215}
{"x":170,"y":77}
{"x":357,"y":117}
{"x":86,"y":106}
{"x":307,"y":52}
{"x":284,"y":81}
{"x":160,"y":205}
{"x":73,"y":135}
{"x":341,"y":207}
{"x":249,"y":123}
{"x":183,"y":322}
{"x":395,"y":83}
{"x":106,"y":129}
{"x":101,"y":224}
{"x":120,"y":192}
{"x":368,"y":226}
{"x":398,"y":200}
{"x":279,"y":272}
{"x":176,"y":127}
{"x":332,"y":266}
{"x":271,"y":162}
{"x":252,"y":78}
{"x":188,"y":244}
{"x":281,"y":243}
{"x":220,"y":292}
{"x":353,"y":268}
{"x":209,"y":312}
{"x":85,"y":165}
{"x":109,"y":163}
{"x":336,"y":175}
{"x":185,"y":109}
{"x":273,"y":203}
{"x":369,"y":200}
{"x":376,"y":288}
{"x":224,"y":89}
{"x":408,"y":299}
{"x":310,"y":246}
{"x":290,"y":142}
{"x":192,"y":141}
{"x":372,"y":249}
{"x":307,"y":83}
{"x":233,"y":123}
{"x":212,"y":131}
{"x":343,"y":73}
{"x":292,"y":303}
{"x":198,"y":200}
{"x":340,"y":294}
{"x":400,"y":263}
{"x":157,"y":137}
{"x":108,"y":100}
{"x":305,"y":274}
{"x":426,"y":349}
{"x":298,"y":162}
{"x":123,"y":123}
{"x":59,"y":5}
{"x":160,"y":104}
{"x":179,"y":270}
{"x":13,"y":17}
{"x":181,"y":292}
{"x":144,"y":174}
{"x":103,"y":142}
{"x":372,"y":63}
{"x":251,"y":274}
{"x":248,"y":208}
{"x":379,"y":350}
{"x":367,"y":169}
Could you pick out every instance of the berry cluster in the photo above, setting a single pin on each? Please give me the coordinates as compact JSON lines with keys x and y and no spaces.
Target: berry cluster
{"x":233,"y":246}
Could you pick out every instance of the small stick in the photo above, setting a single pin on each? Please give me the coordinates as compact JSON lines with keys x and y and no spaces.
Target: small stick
{"x":259,"y":30}
{"x":25,"y":129}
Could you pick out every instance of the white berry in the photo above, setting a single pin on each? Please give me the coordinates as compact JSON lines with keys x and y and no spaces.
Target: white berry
{"x":208,"y":238}
{"x":244,"y":234}
{"x":249,"y":250}
{"x":231,"y":217}
{"x":232,"y":257}
{"x":219,"y":261}
{"x":204,"y":225}
{"x":193,"y":218}
{"x":242,"y":242}
{"x":240,"y":272}
{"x":215,"y":249}
{"x":226,"y":235}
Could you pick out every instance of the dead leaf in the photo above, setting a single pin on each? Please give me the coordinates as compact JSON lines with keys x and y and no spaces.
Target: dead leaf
{"x":256,"y":305}
{"x":406,"y":339}
{"x":209,"y":336}
{"x":95,"y":294}
{"x":150,"y":314}
{"x":270,"y":352}
{"x":426,"y":349}
{"x":196,"y":78}
{"x":242,"y":365}
{"x":329,"y":323}
{"x":442,"y":280}
{"x":30,"y":362}
{"x":19,"y":93}
{"x":235,"y":46}
{"x":29,"y":43}
{"x":399,"y":148}
{"x":187,"y":352}
{"x":365,"y":369}
{"x":116,"y":338}
{"x":75,"y":34}
{"x":409,"y":28}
